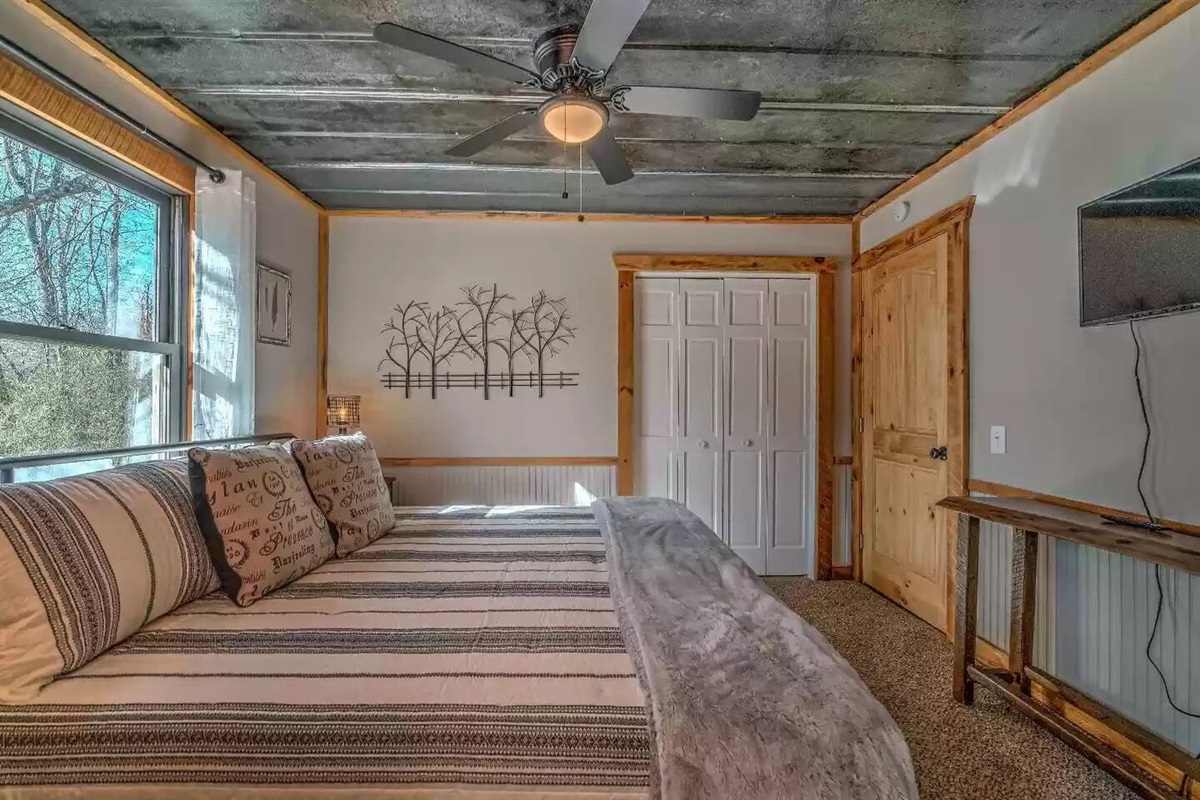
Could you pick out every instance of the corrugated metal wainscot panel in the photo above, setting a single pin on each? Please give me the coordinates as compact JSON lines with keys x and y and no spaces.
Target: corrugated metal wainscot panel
{"x":524,"y":485}
{"x":1094,"y":616}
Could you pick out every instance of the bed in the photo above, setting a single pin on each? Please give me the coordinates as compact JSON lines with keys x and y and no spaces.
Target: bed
{"x":469,"y":653}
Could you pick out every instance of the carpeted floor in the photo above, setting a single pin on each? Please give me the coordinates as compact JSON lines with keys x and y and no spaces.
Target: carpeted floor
{"x":982,"y":753}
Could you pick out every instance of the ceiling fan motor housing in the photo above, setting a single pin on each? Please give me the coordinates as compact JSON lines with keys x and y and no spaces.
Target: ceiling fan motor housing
{"x":552,"y":60}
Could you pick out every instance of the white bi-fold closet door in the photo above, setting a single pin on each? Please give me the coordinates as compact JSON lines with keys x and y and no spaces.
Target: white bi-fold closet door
{"x":725,"y":409}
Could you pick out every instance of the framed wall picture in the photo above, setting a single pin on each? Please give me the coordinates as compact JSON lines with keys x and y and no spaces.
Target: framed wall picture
{"x":273,"y":307}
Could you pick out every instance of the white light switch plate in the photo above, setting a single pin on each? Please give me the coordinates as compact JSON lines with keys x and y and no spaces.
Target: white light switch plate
{"x":999,"y":439}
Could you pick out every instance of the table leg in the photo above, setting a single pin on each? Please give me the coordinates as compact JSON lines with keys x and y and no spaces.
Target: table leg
{"x":1022,"y":611}
{"x":966,"y":606}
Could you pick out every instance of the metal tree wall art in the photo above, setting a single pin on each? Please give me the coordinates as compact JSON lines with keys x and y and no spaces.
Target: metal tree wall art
{"x":486,"y":320}
{"x":476,"y":321}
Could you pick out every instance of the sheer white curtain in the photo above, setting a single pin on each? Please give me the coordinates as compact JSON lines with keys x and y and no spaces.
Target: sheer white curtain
{"x":223,"y":315}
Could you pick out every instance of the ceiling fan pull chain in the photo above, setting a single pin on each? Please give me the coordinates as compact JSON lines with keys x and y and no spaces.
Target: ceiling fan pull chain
{"x":565,"y":195}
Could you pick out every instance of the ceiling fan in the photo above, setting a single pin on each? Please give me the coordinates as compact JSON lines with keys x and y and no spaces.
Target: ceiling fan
{"x":572,"y":63}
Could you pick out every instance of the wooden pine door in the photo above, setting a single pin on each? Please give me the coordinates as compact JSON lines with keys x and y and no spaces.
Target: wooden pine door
{"x":905,"y":423}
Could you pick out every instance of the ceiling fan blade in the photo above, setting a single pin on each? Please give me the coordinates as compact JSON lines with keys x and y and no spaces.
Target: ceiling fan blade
{"x":609,"y":158}
{"x":605,"y":31}
{"x":498,"y":132}
{"x":432,"y":46}
{"x":677,"y":101}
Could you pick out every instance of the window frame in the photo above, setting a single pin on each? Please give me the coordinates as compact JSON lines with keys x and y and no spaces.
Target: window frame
{"x":172,"y":278}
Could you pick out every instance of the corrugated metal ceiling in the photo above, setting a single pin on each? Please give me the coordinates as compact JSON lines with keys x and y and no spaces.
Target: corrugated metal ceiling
{"x":859,"y":94}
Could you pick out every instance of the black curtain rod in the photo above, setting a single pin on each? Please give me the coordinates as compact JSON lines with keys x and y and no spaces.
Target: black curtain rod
{"x":48,"y":72}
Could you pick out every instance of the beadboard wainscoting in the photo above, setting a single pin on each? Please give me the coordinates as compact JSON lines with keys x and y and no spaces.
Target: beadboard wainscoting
{"x":566,"y":485}
{"x":1095,"y":610}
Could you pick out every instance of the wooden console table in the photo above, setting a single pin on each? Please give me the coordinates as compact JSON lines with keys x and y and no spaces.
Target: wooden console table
{"x":1028,"y":518}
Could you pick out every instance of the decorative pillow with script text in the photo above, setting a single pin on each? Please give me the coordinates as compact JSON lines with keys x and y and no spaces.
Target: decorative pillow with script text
{"x":345,"y":478}
{"x":262,"y":527}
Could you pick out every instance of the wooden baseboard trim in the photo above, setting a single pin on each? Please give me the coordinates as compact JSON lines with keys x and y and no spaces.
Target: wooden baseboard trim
{"x":842,"y":572}
{"x":1004,"y":490}
{"x":503,"y":461}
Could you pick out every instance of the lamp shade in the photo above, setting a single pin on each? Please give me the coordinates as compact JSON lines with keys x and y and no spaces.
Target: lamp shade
{"x":342,"y":410}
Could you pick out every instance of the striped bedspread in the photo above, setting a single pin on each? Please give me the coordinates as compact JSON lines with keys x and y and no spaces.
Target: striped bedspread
{"x":469,"y":653}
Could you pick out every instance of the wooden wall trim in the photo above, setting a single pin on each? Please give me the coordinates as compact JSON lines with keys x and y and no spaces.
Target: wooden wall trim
{"x":107,"y":61}
{"x":502,"y":461}
{"x":941,"y":222}
{"x":855,"y":521}
{"x":322,"y":323}
{"x":1153,"y":22}
{"x":1004,"y":490}
{"x":557,"y":216}
{"x":826,"y":380}
{"x":189,"y":327}
{"x":43,"y":99}
{"x":694,"y":262}
{"x":628,"y":265}
{"x":625,"y":381}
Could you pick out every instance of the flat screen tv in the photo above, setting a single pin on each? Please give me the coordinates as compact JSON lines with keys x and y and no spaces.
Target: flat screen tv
{"x":1139,"y":249}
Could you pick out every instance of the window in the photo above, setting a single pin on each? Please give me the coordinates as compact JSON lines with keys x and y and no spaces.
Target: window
{"x":90,"y":337}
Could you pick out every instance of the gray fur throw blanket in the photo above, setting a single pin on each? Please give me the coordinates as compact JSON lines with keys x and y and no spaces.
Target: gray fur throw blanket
{"x":748,"y":701}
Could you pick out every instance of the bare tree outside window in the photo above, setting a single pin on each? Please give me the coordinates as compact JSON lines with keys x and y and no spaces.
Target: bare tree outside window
{"x":78,"y":253}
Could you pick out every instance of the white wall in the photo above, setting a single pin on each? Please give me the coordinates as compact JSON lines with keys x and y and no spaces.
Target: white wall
{"x":286,"y":377}
{"x":376,"y":263}
{"x":1066,"y":393}
{"x":287,"y":225}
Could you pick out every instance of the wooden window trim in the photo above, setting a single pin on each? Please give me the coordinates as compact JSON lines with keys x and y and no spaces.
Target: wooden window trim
{"x":47,"y":102}
{"x":629,"y":265}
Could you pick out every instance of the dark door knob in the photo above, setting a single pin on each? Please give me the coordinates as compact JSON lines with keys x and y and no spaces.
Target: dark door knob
{"x":939,"y":453}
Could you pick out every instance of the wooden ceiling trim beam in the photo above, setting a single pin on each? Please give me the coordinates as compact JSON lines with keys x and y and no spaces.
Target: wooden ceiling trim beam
{"x":110,"y":62}
{"x":722,"y":263}
{"x":1153,"y":22}
{"x":557,"y":216}
{"x":46,"y":101}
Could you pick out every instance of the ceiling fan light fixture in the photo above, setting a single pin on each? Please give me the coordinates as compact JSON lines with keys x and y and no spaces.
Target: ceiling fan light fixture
{"x":573,"y":119}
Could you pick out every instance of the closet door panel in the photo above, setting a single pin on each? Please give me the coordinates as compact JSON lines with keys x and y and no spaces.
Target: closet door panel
{"x":745,"y":423}
{"x":701,"y":474}
{"x":656,"y":317}
{"x":791,"y":418}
